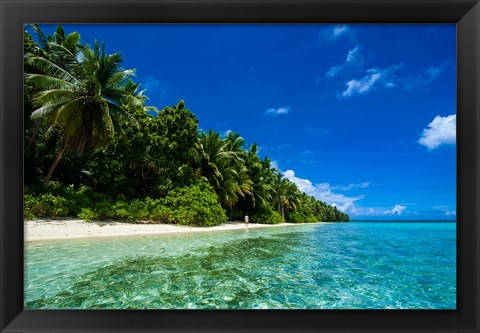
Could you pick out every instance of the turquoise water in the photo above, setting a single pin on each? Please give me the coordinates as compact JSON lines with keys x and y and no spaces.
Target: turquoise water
{"x":358,"y":265}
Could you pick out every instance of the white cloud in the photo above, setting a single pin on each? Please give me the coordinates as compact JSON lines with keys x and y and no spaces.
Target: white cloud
{"x":304,"y":185}
{"x":278,"y":111}
{"x":353,"y":54}
{"x":334,"y":71}
{"x":340,"y":30}
{"x":442,"y":130}
{"x":323,"y":192}
{"x":363,"y":85}
{"x":398,"y":210}
{"x":379,"y":211}
{"x":445,"y":210}
{"x":274,"y":164}
{"x":374,"y":76}
{"x":351,"y":186}
{"x":353,"y":57}
{"x":333,"y":33}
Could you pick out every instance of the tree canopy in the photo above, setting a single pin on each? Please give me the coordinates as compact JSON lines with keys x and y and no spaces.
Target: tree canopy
{"x":92,"y":139}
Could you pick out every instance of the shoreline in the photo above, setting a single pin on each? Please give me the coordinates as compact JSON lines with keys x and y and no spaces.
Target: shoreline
{"x":60,"y":229}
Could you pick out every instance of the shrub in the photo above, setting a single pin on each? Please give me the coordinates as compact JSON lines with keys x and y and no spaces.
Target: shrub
{"x":137,"y":210}
{"x":120,"y":210}
{"x":103,"y":210}
{"x":267,"y":216}
{"x":162,"y":214}
{"x":148,"y":209}
{"x":29,"y":207}
{"x":310,"y":218}
{"x":82,"y":198}
{"x":59,"y":206}
{"x":45,"y":205}
{"x":195,"y":205}
{"x":87,"y":214}
{"x":301,"y":217}
{"x":294,"y":217}
{"x":56,"y":188}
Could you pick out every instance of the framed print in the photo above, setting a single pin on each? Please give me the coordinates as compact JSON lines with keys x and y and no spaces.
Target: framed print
{"x":240,"y":166}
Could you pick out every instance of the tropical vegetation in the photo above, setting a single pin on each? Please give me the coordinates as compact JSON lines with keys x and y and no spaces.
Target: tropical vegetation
{"x":95,"y":149}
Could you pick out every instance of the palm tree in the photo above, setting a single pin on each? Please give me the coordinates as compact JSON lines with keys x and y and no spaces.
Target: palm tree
{"x":61,"y":49}
{"x":239,"y":179}
{"x":84,"y":102}
{"x":287,"y":195}
{"x":221,"y":163}
{"x":260,"y":173}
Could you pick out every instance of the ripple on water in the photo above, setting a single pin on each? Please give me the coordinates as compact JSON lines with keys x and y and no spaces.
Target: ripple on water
{"x":327,"y":266}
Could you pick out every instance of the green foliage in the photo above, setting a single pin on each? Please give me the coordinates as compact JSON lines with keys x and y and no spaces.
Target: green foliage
{"x":301,"y":217}
{"x":221,"y":162}
{"x":295,"y":217}
{"x":106,"y":142}
{"x":87,"y":214}
{"x":46,"y":205}
{"x":121,"y":210}
{"x":267,"y":216}
{"x":84,"y":101}
{"x":195,"y":205}
{"x":151,"y":159}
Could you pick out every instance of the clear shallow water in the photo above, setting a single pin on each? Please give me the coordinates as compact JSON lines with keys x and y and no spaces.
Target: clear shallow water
{"x":322,"y":266}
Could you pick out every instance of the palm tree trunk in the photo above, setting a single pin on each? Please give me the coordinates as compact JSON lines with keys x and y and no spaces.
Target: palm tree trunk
{"x":54,"y":164}
{"x":34,"y":134}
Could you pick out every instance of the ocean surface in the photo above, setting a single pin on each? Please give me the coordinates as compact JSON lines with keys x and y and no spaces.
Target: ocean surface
{"x":357,"y":265}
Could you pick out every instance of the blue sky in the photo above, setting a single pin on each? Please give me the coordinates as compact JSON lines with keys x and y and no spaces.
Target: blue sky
{"x":360,"y":116}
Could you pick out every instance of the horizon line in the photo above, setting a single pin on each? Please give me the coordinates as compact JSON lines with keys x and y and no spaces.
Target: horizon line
{"x":385,"y":220}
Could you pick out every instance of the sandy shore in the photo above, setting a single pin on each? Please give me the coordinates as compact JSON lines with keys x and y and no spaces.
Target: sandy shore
{"x":73,"y":228}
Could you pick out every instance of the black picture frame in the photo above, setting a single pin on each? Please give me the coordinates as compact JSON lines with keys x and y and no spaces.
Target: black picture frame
{"x":466,"y":15}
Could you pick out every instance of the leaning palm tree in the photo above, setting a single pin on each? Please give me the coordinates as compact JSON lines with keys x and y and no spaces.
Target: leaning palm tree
{"x":84,"y":103}
{"x":61,"y":49}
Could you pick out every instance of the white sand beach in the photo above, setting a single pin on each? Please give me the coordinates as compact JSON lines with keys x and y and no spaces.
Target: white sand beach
{"x":74,"y":228}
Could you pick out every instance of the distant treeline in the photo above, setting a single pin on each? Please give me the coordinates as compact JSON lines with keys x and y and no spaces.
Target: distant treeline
{"x":403,"y":221}
{"x":95,"y":148}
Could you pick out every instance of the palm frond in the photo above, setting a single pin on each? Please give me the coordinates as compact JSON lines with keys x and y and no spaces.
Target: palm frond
{"x":70,"y":113}
{"x":121,"y":115}
{"x":54,"y":96}
{"x":122,"y":97}
{"x":72,"y":41}
{"x":42,"y":40}
{"x":117,"y":78}
{"x":44,"y":110}
{"x":43,"y":82}
{"x":68,"y":57}
{"x":47,"y":67}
